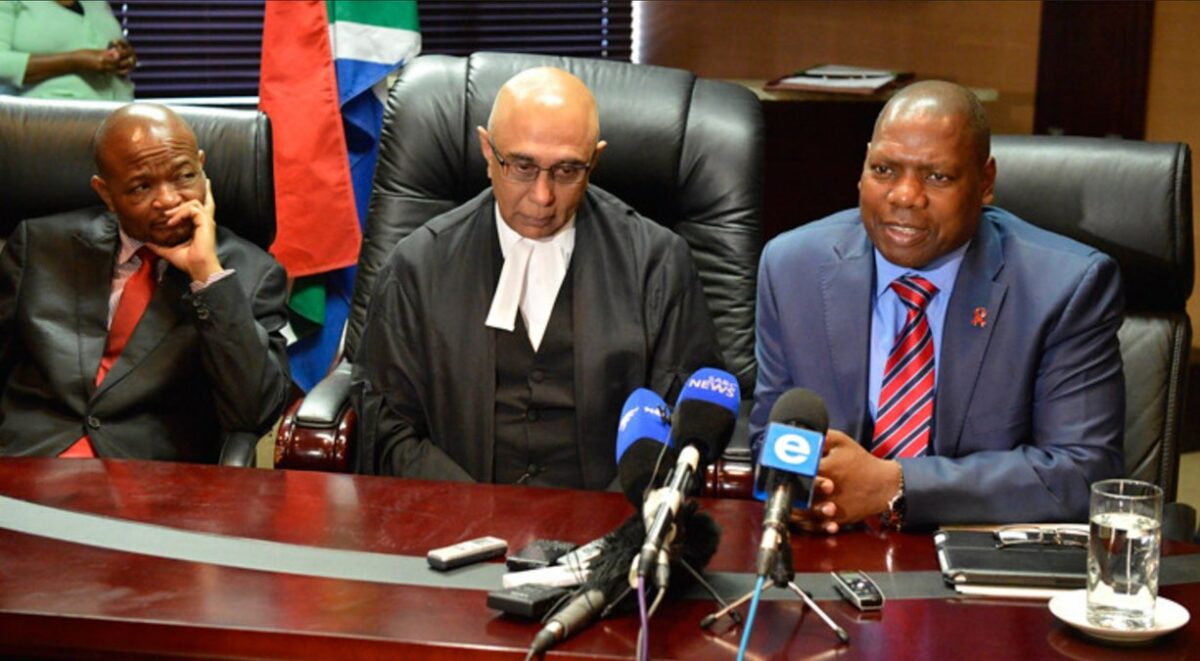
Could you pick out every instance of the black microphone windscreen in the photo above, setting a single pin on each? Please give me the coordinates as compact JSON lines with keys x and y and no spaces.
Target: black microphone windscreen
{"x":641,"y":468}
{"x":695,"y":543}
{"x":801,"y":407}
{"x":704,"y":424}
{"x":699,"y":537}
{"x":609,"y":571}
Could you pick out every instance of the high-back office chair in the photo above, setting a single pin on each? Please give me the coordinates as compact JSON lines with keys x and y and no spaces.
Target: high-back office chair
{"x":685,"y":152}
{"x":1133,"y":200}
{"x":46,"y":165}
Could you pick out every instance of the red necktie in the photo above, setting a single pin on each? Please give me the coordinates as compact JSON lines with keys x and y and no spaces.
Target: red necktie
{"x":139,"y":288}
{"x":904,"y":421}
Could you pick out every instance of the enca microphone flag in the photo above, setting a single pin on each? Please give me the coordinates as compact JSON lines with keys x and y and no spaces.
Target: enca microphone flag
{"x":789,"y":449}
{"x":324,"y":69}
{"x":792,"y":447}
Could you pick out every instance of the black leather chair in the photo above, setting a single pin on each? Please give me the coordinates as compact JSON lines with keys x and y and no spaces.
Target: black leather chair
{"x":684,"y":151}
{"x":1133,"y":200}
{"x":46,"y":164}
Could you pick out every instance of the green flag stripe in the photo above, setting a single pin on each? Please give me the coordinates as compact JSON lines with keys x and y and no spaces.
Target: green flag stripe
{"x":308,"y":298}
{"x":398,"y":14}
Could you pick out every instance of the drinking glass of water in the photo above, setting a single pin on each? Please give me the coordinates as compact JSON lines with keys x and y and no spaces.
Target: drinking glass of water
{"x":1124,"y":542}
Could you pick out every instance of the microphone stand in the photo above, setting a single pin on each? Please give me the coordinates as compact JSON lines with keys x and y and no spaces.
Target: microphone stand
{"x":783,"y":575}
{"x":733,"y":615}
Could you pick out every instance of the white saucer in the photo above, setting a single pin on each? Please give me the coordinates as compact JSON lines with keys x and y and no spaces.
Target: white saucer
{"x":1071,"y":608}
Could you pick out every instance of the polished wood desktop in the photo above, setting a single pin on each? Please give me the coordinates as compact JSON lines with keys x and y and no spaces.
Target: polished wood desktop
{"x":71,"y":600}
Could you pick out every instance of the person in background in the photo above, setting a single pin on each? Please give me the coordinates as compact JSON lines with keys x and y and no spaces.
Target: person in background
{"x":64,"y":49}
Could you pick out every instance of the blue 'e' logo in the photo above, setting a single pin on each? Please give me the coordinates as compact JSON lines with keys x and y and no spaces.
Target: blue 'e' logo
{"x":792,"y":449}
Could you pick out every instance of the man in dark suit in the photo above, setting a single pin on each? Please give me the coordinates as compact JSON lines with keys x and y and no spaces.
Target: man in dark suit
{"x":144,"y":331}
{"x":969,"y":360}
{"x":504,"y":335}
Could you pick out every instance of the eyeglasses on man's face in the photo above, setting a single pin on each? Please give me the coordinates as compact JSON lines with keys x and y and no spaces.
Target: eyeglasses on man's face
{"x":525,"y":172}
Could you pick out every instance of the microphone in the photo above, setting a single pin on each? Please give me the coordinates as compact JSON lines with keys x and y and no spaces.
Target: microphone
{"x":643,"y":444}
{"x":568,"y":620}
{"x":787,"y":465}
{"x":702,"y":425}
{"x":644,"y":439}
{"x":706,"y":413}
{"x":608,"y":582}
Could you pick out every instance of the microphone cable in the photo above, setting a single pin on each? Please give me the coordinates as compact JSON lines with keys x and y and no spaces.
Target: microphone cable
{"x":660,"y":464}
{"x":643,"y":642}
{"x":758,"y":588}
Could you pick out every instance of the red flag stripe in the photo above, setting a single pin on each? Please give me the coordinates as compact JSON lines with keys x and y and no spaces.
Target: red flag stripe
{"x":317,"y":224}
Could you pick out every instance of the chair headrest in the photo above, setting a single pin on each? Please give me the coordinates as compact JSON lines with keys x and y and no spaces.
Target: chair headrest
{"x":46,"y":161}
{"x":646,"y":115}
{"x":1130,"y":199}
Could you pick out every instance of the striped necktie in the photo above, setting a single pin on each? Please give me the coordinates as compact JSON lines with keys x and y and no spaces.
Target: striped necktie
{"x":904,"y":421}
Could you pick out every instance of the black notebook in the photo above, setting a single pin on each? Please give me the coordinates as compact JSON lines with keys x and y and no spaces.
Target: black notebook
{"x":973,"y":557}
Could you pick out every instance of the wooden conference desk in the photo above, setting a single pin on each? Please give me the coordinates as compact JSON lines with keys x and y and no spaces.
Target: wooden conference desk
{"x":60,"y":598}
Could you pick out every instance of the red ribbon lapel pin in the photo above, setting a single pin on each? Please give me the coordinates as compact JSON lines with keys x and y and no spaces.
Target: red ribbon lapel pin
{"x":979,"y":318}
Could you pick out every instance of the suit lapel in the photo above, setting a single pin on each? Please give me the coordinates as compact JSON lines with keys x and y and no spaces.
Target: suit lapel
{"x":846,"y":296}
{"x":95,"y":253}
{"x":161,"y":316}
{"x":95,"y":250}
{"x":965,"y":335}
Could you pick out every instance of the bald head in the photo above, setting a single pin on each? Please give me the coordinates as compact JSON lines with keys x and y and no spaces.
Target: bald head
{"x":940,"y":99}
{"x":136,"y":123}
{"x":148,"y":165}
{"x":927,"y":174}
{"x":540,"y":144}
{"x":547,"y":94}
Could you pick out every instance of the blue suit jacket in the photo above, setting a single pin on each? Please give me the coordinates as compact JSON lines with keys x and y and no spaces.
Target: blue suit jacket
{"x":1030,"y":404}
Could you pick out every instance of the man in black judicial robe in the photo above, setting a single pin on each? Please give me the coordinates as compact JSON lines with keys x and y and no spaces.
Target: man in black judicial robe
{"x":443,"y":391}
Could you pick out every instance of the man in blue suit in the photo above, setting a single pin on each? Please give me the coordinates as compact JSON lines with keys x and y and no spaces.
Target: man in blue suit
{"x":969,"y":360}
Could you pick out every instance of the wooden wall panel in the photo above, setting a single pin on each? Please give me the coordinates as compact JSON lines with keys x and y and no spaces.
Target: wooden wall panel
{"x":1094,"y":58}
{"x":979,"y":44}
